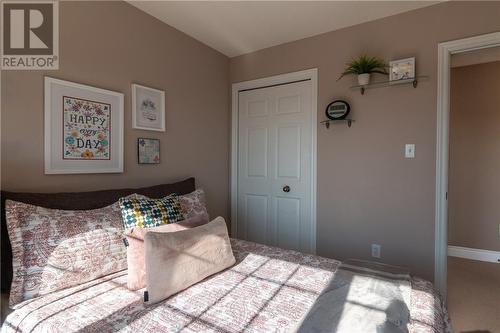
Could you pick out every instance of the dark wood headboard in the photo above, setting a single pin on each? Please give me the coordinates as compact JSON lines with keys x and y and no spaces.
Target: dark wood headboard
{"x":75,"y":201}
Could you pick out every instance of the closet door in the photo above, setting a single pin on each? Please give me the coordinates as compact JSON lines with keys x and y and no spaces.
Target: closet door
{"x":274,"y":165}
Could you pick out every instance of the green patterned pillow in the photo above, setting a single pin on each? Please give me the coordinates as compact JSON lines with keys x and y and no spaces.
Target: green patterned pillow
{"x":144,"y":212}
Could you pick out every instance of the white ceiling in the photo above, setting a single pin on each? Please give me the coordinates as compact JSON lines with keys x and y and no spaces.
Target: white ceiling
{"x":239,"y":27}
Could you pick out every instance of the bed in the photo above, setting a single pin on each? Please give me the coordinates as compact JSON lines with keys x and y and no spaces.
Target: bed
{"x":267,"y":290}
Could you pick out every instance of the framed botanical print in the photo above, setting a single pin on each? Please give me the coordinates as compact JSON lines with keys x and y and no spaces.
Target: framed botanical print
{"x":148,"y":108}
{"x":148,"y":151}
{"x":83,"y":128}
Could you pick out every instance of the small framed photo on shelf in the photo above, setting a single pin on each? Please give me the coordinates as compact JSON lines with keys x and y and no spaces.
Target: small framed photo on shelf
{"x":148,"y":108}
{"x":402,"y":69}
{"x":148,"y":151}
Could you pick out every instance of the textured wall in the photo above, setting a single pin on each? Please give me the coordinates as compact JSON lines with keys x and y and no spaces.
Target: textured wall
{"x":367,"y":191}
{"x":111,"y":45}
{"x":474,"y":176}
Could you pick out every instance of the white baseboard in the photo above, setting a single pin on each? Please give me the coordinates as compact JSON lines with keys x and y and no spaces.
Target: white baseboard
{"x":474,"y":254}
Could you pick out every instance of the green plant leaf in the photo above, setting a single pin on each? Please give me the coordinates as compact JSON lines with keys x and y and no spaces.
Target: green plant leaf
{"x":364,"y":65}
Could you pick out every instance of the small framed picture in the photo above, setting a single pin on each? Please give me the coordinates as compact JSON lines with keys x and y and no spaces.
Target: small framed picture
{"x":148,"y":108}
{"x":402,"y":69}
{"x":148,"y":151}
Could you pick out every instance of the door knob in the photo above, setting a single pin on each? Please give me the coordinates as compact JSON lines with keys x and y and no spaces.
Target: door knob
{"x":286,"y":188}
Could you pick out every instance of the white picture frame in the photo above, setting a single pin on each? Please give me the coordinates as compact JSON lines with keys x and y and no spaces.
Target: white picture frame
{"x":402,"y":69}
{"x":148,"y":108}
{"x":83,"y":128}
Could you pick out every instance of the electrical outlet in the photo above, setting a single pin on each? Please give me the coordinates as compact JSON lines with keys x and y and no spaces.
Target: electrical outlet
{"x":376,"y":250}
{"x":410,"y":150}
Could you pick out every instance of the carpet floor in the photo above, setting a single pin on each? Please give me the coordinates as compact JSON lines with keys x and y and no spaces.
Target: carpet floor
{"x":474,"y":296}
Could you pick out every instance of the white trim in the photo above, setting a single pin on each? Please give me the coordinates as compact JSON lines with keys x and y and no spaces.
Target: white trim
{"x":309,"y":74}
{"x":474,"y":254}
{"x":445,"y":50}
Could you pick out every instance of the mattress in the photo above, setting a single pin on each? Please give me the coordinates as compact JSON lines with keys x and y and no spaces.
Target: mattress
{"x":267,"y":290}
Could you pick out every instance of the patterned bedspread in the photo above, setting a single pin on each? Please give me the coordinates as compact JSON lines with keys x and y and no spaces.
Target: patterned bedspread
{"x":268,"y":290}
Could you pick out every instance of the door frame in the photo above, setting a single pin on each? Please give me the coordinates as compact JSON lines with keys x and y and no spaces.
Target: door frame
{"x":445,"y":50}
{"x":309,"y":74}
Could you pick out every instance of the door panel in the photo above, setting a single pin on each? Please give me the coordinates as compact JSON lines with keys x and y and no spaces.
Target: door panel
{"x":256,"y":217}
{"x":288,"y":150}
{"x":257,"y":152}
{"x":289,"y":104}
{"x":257,"y":108}
{"x":288,"y":222}
{"x":274,"y":151}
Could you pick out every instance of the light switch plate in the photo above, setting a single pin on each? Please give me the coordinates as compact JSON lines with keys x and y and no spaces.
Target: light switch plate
{"x":376,"y":250}
{"x":410,"y":150}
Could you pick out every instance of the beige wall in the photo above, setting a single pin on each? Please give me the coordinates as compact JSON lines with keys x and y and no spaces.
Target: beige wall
{"x":367,"y":191}
{"x":111,"y":45}
{"x":474,"y":176}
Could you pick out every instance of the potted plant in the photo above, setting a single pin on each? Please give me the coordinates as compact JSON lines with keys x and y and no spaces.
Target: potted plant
{"x":363,"y":67}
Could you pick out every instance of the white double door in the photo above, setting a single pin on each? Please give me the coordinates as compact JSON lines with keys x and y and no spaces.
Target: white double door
{"x":275,"y":166}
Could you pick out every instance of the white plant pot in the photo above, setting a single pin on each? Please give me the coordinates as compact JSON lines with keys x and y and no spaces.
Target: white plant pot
{"x":363,"y":79}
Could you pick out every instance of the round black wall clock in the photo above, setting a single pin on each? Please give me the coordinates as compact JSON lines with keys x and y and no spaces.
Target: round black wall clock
{"x":337,"y":110}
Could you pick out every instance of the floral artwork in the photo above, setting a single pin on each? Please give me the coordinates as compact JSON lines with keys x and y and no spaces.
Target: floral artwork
{"x":148,"y":151}
{"x":86,"y":133}
{"x":83,"y":128}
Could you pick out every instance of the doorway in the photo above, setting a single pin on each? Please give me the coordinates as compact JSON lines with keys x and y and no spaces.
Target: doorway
{"x":474,"y":191}
{"x":273,"y":164}
{"x":445,"y":51}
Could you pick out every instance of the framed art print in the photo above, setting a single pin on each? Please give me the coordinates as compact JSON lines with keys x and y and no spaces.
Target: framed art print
{"x":83,"y":128}
{"x":148,"y":151}
{"x":148,"y":108}
{"x":402,"y":69}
